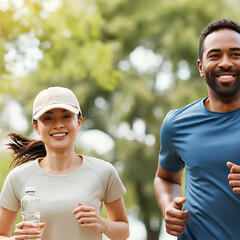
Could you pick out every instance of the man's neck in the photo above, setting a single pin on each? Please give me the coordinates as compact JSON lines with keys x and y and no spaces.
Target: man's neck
{"x":222,"y":105}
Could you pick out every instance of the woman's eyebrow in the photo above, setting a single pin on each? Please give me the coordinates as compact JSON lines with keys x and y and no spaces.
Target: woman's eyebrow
{"x":235,"y":49}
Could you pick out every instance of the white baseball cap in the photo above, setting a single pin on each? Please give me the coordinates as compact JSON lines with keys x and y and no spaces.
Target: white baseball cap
{"x":55,"y":97}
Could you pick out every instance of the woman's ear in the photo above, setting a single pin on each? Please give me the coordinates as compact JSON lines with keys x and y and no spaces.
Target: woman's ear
{"x":80,"y":120}
{"x":35,"y":126}
{"x":200,"y":68}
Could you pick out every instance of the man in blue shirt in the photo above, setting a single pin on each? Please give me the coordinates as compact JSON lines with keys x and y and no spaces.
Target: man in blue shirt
{"x":204,"y":138}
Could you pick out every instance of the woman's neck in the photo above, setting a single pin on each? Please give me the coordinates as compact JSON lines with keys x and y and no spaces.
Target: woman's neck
{"x":60,"y":163}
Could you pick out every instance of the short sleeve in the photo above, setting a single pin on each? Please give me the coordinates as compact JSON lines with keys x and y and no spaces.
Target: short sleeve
{"x":114,"y":186}
{"x":8,"y":197}
{"x":169,"y":160}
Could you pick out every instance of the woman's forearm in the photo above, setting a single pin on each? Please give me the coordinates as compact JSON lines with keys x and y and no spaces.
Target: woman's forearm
{"x":6,"y":238}
{"x":116,"y":230}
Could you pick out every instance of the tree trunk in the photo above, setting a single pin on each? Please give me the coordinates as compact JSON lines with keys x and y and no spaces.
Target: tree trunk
{"x":152,"y":234}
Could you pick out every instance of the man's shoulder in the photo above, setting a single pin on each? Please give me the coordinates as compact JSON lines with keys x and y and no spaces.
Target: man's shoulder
{"x":186,"y":116}
{"x":186,"y":111}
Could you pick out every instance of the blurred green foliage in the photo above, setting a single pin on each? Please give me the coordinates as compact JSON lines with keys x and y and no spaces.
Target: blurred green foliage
{"x":5,"y":160}
{"x":82,"y":44}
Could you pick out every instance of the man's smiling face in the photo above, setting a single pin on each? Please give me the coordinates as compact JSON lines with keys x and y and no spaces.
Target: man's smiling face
{"x":220,"y":65}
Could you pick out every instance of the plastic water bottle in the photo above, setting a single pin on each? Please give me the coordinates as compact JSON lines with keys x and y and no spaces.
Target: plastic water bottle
{"x":30,"y":206}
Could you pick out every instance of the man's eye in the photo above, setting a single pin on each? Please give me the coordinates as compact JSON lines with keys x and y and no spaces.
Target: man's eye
{"x":214,"y":56}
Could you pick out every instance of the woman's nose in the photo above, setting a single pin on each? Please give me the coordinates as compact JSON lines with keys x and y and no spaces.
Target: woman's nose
{"x":58,"y":124}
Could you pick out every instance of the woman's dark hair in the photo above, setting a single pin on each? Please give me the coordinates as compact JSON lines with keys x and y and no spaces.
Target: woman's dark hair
{"x":215,"y":26}
{"x":25,"y":149}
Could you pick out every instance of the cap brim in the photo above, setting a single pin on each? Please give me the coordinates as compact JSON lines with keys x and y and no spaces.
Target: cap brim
{"x":53,"y":106}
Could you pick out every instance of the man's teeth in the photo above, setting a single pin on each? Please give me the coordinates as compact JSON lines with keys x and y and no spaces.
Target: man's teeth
{"x":58,"y":134}
{"x":226,"y":76}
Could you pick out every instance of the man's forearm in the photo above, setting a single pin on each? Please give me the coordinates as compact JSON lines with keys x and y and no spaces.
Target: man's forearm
{"x":165,"y":192}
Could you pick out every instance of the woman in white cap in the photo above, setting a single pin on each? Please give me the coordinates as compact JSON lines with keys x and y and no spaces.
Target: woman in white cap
{"x":72,"y":188}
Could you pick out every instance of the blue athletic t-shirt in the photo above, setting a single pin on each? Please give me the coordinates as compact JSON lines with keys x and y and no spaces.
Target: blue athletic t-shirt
{"x":204,"y":141}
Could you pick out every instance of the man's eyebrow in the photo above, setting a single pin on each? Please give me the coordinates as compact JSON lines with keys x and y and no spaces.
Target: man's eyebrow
{"x":213,"y":50}
{"x":218,"y":50}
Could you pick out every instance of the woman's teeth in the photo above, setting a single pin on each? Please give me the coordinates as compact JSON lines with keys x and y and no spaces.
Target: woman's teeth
{"x":59,"y":134}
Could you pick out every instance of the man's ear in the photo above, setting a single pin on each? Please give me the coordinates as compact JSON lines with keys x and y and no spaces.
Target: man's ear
{"x":200,"y":68}
{"x":35,"y":126}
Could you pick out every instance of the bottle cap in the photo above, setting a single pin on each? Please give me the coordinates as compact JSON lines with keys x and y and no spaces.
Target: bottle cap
{"x":29,"y":189}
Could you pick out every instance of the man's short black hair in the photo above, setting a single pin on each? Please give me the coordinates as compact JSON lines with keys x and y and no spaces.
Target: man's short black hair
{"x":215,"y":26}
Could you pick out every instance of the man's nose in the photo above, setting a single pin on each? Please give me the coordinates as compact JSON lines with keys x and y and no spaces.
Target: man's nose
{"x":225,"y":62}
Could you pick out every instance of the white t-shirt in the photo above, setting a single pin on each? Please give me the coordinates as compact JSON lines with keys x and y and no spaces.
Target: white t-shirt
{"x":93,"y":183}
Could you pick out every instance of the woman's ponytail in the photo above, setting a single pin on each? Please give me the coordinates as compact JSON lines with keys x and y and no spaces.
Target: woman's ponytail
{"x":24,"y":149}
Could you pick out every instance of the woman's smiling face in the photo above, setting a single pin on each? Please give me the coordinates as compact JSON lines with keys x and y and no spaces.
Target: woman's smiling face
{"x":58,"y":129}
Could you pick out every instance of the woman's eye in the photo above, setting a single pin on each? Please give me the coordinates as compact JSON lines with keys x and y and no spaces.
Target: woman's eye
{"x":67,"y":116}
{"x":47,"y":118}
{"x":236,"y":54}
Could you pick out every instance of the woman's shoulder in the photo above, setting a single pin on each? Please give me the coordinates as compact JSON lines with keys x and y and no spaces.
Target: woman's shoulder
{"x":105,"y":172}
{"x":24,"y":168}
{"x":99,"y":166}
{"x":96,"y":162}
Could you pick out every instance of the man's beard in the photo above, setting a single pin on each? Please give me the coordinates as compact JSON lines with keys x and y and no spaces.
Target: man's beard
{"x":222,"y":91}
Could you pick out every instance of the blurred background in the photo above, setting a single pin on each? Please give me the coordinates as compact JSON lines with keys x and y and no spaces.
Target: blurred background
{"x":128,"y":61}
